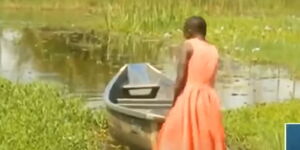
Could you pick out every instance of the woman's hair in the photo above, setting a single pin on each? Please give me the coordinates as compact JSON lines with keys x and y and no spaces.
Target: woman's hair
{"x":195,"y":25}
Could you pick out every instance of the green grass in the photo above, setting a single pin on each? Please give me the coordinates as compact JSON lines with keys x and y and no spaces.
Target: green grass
{"x":36,"y":117}
{"x":260,"y":127}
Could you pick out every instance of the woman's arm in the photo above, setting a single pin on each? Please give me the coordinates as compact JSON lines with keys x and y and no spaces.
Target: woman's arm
{"x":183,"y":59}
{"x":214,"y":64}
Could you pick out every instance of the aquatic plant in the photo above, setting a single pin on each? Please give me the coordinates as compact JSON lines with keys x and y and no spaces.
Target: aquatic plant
{"x":36,"y":116}
{"x":260,"y":127}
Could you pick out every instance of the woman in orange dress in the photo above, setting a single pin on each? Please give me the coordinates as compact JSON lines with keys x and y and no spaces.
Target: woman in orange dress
{"x":194,"y":122}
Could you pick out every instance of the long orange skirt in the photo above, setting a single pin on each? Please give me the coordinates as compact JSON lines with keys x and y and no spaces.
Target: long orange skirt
{"x":194,"y":123}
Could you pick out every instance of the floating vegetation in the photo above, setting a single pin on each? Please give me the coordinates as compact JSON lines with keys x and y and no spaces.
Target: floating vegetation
{"x":260,"y":127}
{"x":35,"y":116}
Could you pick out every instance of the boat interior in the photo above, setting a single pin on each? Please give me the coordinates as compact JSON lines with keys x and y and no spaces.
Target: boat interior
{"x":142,"y":88}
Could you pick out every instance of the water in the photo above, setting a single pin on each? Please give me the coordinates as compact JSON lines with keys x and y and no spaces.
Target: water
{"x":85,"y":61}
{"x":241,"y":85}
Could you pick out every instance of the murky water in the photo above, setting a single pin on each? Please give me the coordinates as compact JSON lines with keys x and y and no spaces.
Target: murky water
{"x":240,"y":84}
{"x":86,"y":61}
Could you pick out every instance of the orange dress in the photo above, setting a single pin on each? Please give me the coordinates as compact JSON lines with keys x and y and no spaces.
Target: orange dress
{"x":195,"y":123}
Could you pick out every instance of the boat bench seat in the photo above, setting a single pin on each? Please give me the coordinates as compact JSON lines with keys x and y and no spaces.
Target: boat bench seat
{"x":143,"y":101}
{"x":140,"y":86}
{"x":139,"y":78}
{"x":147,"y":106}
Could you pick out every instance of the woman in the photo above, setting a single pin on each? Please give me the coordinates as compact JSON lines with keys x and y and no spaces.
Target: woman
{"x":194,"y":122}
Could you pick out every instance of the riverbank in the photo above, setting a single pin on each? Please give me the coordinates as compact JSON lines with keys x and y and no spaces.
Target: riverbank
{"x":36,"y":116}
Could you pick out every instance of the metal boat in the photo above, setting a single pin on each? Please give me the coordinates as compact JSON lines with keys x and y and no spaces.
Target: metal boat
{"x":137,"y":100}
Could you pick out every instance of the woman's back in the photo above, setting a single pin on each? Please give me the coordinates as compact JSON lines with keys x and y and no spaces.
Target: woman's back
{"x":203,"y":63}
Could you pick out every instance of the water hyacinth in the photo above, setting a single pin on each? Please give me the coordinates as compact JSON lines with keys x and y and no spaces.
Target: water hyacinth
{"x":36,"y":117}
{"x":267,"y":28}
{"x":260,"y":127}
{"x":256,"y":49}
{"x":167,"y":35}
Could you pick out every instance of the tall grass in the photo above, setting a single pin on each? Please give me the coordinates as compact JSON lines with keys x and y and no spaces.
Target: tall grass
{"x":152,"y":15}
{"x":253,"y":30}
{"x":36,"y":117}
{"x":154,"y":6}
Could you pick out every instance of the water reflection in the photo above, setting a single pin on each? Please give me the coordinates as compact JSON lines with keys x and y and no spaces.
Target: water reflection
{"x":247,"y":84}
{"x":86,"y":61}
{"x":251,"y":84}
